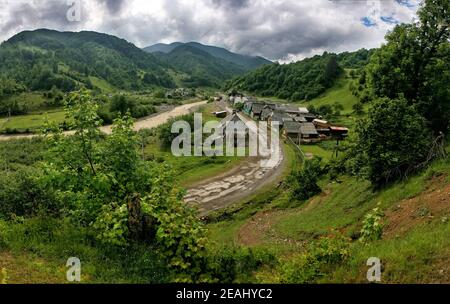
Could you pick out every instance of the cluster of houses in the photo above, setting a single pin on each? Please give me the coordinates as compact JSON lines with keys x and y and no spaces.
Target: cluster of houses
{"x":297,"y":123}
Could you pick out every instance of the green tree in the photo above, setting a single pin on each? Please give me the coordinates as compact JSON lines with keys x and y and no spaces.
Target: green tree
{"x":391,"y":142}
{"x":414,"y":64}
{"x":304,"y":183}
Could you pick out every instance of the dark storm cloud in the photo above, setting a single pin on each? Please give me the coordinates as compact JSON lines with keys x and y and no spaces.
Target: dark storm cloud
{"x":278,"y":29}
{"x":28,"y":12}
{"x":235,"y":4}
{"x":113,"y":6}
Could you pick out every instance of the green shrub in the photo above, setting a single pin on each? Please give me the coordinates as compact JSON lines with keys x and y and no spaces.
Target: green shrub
{"x":304,"y":182}
{"x":319,"y":259}
{"x":232,"y":264}
{"x":372,"y":229}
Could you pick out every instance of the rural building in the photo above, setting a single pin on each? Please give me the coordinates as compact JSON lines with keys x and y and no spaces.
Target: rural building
{"x":266,"y":113}
{"x":278,"y":116}
{"x":292,"y":130}
{"x":339,"y":132}
{"x":309,"y":133}
{"x":256,"y":110}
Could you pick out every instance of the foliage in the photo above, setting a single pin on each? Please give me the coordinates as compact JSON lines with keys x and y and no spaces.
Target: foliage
{"x":392,"y":141}
{"x":355,"y":60}
{"x":372,"y":229}
{"x":318,"y":259}
{"x":305,"y":79}
{"x":414,"y":64}
{"x":202,"y":69}
{"x":43,"y":58}
{"x":233,"y":264}
{"x":165,"y":131}
{"x":111,"y":225}
{"x":180,"y":235}
{"x":304,"y":182}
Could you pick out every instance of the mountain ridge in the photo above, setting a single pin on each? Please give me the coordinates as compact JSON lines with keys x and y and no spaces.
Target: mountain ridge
{"x":246,"y":61}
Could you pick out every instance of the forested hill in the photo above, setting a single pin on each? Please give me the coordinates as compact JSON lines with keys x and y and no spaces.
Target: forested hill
{"x":245,"y":62}
{"x":302,"y":80}
{"x":200,"y":68}
{"x":45,"y":58}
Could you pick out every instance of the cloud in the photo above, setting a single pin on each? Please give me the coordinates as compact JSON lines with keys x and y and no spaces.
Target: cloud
{"x":277,"y":29}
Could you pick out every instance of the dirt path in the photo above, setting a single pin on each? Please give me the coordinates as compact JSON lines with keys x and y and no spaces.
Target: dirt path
{"x":146,"y":123}
{"x":239,"y":183}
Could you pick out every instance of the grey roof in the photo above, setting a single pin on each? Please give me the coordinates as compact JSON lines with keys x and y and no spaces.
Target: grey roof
{"x":292,"y":127}
{"x":300,"y":119}
{"x":288,"y":108}
{"x":278,"y":116}
{"x":308,"y":129}
{"x":257,"y":108}
{"x":266,"y":113}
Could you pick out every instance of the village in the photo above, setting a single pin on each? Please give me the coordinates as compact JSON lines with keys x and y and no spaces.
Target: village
{"x":297,"y":123}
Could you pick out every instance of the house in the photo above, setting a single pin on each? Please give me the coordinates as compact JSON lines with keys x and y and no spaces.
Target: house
{"x":220,"y":114}
{"x":279,"y":116}
{"x":308,"y":133}
{"x":303,"y":110}
{"x":300,"y":119}
{"x":266,"y":113}
{"x":292,"y":130}
{"x":289,"y":109}
{"x":309,"y":117}
{"x":256,"y":110}
{"x":338,"y":132}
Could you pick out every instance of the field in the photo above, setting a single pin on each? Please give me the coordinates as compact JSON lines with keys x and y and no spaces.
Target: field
{"x":31,"y":123}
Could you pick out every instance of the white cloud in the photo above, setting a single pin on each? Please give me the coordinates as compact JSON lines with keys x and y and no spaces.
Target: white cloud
{"x":277,"y":29}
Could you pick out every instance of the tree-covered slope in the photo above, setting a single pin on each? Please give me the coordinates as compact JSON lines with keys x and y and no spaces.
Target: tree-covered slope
{"x":243,"y":61}
{"x":301,"y":80}
{"x":44,"y":58}
{"x":201,"y":68}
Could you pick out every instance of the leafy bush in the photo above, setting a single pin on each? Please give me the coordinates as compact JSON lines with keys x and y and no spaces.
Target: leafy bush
{"x":304,"y":182}
{"x":320,"y":257}
{"x":231,"y":264}
{"x":392,"y":142}
{"x":111,"y":225}
{"x":372,"y":229}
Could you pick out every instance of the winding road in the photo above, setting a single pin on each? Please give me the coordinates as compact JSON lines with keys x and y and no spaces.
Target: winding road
{"x":145,"y":123}
{"x":251,"y":175}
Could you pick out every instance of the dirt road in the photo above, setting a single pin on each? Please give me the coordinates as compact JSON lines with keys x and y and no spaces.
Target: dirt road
{"x":145,"y":123}
{"x":250,"y":176}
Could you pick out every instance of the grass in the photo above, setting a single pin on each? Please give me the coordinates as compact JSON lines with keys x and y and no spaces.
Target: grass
{"x":340,"y":93}
{"x":31,"y":122}
{"x":36,"y":250}
{"x":102,"y":84}
{"x":317,"y":151}
{"x":421,"y":255}
{"x":34,"y":101}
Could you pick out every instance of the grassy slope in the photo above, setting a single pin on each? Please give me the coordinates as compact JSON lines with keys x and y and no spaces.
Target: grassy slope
{"x":340,"y":93}
{"x":420,"y":254}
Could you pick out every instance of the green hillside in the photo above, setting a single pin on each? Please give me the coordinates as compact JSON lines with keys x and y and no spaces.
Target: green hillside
{"x":303,"y":80}
{"x":44,"y":58}
{"x":201,"y":68}
{"x":243,"y":61}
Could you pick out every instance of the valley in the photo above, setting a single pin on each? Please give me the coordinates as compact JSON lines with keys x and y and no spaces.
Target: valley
{"x":360,"y":171}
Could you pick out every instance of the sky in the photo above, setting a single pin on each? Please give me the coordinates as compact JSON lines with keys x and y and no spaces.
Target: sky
{"x":283,"y":30}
